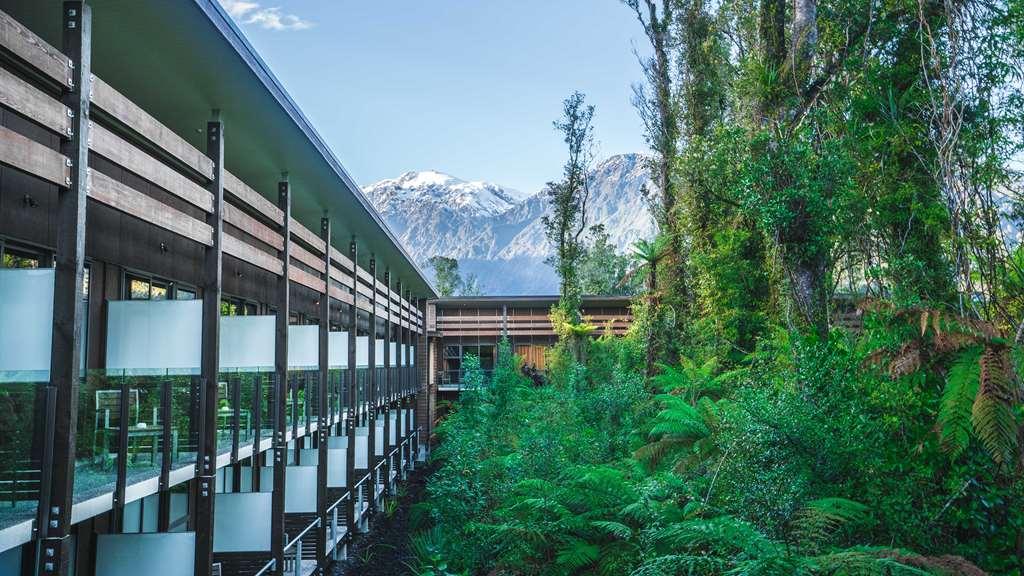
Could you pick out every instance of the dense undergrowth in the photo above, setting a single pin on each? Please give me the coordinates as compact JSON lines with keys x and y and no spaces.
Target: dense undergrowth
{"x":807,"y":457}
{"x":824,"y":369}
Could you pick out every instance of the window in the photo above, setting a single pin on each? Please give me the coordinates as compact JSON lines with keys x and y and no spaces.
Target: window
{"x":19,"y":257}
{"x":142,"y":287}
{"x":230,"y":306}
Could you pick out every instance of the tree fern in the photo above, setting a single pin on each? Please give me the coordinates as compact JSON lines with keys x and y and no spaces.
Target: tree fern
{"x":577,"y":553}
{"x":982,"y":376}
{"x":993,"y":414}
{"x":819,"y":520}
{"x":957,"y":401}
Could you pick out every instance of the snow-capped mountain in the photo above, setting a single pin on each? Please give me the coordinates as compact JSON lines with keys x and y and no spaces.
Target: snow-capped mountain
{"x":470,"y":198}
{"x":495,"y":232}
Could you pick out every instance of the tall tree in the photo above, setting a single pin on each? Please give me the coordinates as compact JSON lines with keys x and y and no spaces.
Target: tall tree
{"x":656,"y":101}
{"x":446,"y":275}
{"x":566,"y":223}
{"x":602,"y":269}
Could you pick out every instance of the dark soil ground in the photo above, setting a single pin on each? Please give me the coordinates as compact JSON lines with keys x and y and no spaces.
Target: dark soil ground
{"x":384,"y":550}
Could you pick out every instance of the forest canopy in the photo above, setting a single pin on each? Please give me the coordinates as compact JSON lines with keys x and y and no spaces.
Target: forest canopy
{"x":824,"y":370}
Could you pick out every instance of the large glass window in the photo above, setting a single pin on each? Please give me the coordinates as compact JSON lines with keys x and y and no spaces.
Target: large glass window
{"x":230,"y":306}
{"x":143,"y":287}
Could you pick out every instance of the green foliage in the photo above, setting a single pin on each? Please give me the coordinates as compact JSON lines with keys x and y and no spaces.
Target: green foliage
{"x":601,"y":269}
{"x":449,"y":280}
{"x":752,"y":422}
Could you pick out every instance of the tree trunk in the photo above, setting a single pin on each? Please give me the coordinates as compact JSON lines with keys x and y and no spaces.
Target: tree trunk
{"x":652,"y":311}
{"x":807,"y":287}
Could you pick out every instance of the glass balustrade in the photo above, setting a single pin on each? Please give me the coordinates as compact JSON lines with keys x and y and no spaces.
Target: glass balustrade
{"x":23,"y":399}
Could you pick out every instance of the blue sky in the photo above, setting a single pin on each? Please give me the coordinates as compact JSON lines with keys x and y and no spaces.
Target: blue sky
{"x":467,"y":87}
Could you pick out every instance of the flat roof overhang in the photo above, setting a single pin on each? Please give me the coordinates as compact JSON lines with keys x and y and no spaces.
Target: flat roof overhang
{"x":525,"y":301}
{"x":181,"y":59}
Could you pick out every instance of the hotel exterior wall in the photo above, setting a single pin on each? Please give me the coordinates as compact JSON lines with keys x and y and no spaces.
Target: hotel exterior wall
{"x":147,"y":215}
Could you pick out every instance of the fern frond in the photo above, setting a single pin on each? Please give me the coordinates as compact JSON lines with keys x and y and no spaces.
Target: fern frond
{"x":616,"y":529}
{"x":993,"y":411}
{"x":577,"y":554}
{"x":957,"y":401}
{"x":816,"y":522}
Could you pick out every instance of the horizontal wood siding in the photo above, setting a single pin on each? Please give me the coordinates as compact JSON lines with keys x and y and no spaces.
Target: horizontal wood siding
{"x":32,"y":157}
{"x":119,"y":151}
{"x":128,"y":113}
{"x":33,"y":50}
{"x":234,"y":186}
{"x":108,"y":191}
{"x":33,"y":103}
{"x":251,"y":254}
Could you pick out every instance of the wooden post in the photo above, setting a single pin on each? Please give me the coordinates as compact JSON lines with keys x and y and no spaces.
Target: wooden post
{"x":371,"y":386}
{"x":322,"y":413}
{"x":58,"y":480}
{"x":210,"y":364}
{"x":277,"y":542}
{"x":387,"y":384}
{"x":350,"y":417}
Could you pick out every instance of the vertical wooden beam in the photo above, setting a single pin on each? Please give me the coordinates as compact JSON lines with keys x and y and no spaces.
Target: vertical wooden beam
{"x":210,"y":364}
{"x":277,"y":542}
{"x":323,"y":413}
{"x":423,"y":413}
{"x":409,"y":378}
{"x":350,"y":417}
{"x":58,"y":479}
{"x":257,"y":426}
{"x":387,"y":383}
{"x":164,"y":507}
{"x":371,"y":383}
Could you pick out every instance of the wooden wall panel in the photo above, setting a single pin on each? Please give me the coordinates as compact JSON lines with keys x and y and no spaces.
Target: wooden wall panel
{"x":119,"y":151}
{"x":235,"y":187}
{"x":249,"y":253}
{"x":127,"y":112}
{"x":33,"y":50}
{"x":33,"y":103}
{"x":104,"y":189}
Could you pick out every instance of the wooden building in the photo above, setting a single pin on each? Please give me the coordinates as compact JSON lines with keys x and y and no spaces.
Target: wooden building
{"x":457,"y":327}
{"x":210,"y":343}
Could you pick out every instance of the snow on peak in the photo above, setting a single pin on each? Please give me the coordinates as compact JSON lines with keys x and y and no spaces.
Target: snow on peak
{"x":427,"y":178}
{"x":475,"y":198}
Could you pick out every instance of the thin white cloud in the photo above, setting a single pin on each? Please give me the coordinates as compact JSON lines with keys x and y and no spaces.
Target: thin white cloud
{"x":268,"y":18}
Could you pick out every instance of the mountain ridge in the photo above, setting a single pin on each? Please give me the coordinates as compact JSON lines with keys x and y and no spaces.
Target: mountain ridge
{"x":495,"y":232}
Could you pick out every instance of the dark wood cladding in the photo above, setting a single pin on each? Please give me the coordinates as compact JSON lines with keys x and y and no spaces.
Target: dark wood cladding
{"x":31,"y":49}
{"x":106,"y":98}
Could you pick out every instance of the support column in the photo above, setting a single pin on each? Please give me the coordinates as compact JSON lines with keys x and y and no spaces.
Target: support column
{"x":57,"y":483}
{"x":277,"y":542}
{"x":371,"y":386}
{"x":351,"y":414}
{"x":407,"y":374}
{"x":424,"y":413}
{"x":206,"y":460}
{"x":323,"y":413}
{"x":387,"y":384}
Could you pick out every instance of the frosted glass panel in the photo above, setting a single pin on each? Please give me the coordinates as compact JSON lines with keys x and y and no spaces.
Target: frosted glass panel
{"x":247,"y":341}
{"x":169,"y":554}
{"x":303,"y":346}
{"x":242,"y":522}
{"x":336,"y":462}
{"x":405,"y":354}
{"x":378,"y":352}
{"x":337,"y":349}
{"x":10,"y":561}
{"x":412,"y":355}
{"x":300,"y":495}
{"x":393,"y":353}
{"x":362,"y":351}
{"x":26,"y":325}
{"x":154,"y":336}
